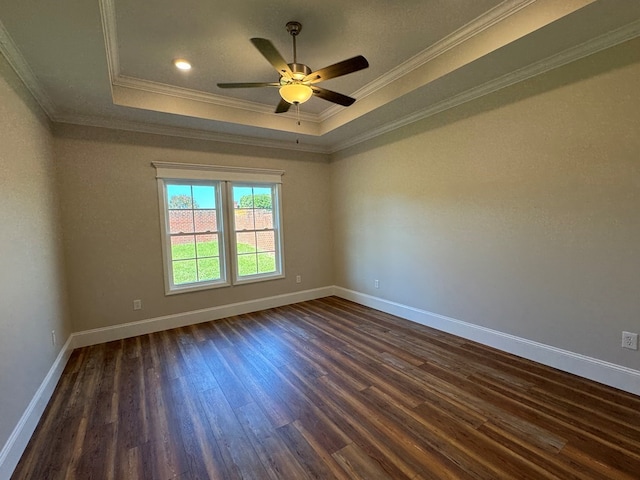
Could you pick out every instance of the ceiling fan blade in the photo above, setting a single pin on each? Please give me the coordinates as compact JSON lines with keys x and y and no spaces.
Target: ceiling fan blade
{"x":272,"y":55}
{"x":248,"y":85}
{"x":337,"y":69}
{"x":283,"y":106}
{"x":331,"y":96}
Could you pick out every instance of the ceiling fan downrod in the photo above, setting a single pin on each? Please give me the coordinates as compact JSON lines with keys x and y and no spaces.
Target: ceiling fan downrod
{"x":294,"y":29}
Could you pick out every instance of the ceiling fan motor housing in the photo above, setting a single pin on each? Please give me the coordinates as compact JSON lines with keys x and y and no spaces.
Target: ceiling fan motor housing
{"x":299,"y":70}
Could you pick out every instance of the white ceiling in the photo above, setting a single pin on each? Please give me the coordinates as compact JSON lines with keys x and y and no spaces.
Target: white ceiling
{"x":109,"y":62}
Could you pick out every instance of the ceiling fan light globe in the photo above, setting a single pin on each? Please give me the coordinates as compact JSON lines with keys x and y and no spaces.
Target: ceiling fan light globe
{"x":295,"y":93}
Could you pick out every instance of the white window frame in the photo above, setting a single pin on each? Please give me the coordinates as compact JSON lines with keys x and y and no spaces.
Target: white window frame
{"x":224,"y":178}
{"x":170,"y":286}
{"x":277,"y":229}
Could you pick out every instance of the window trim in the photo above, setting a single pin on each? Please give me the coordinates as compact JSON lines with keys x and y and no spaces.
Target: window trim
{"x":225,"y":177}
{"x":194,"y":171}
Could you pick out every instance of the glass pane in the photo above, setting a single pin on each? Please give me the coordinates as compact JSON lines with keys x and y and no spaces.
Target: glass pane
{"x":244,"y":220}
{"x":242,"y":197}
{"x":207,"y":246}
{"x":205,"y":220}
{"x":179,"y":196}
{"x":262,"y":198}
{"x":245,"y":242}
{"x":266,"y":241}
{"x":266,"y":263}
{"x":180,"y":221}
{"x":209,"y":268}
{"x":247,"y":264}
{"x":184,"y":271}
{"x":182,"y":247}
{"x":204,"y":196}
{"x":263,"y":219}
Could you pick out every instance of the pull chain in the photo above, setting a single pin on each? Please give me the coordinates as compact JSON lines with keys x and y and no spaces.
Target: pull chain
{"x":298,"y":119}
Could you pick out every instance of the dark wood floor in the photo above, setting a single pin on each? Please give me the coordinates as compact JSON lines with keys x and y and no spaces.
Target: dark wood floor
{"x":325,"y":389}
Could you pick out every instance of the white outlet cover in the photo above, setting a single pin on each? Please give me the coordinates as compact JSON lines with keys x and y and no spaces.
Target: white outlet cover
{"x":630,"y":340}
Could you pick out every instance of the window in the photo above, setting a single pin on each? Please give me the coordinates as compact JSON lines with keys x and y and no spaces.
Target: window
{"x":257,"y":243}
{"x":220,"y":225}
{"x":193,"y":233}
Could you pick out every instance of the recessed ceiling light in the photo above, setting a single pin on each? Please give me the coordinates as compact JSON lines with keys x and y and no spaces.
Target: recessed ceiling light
{"x":182,"y":64}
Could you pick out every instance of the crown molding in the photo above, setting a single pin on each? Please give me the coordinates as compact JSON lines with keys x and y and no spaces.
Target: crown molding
{"x":109,"y":30}
{"x":17,"y":62}
{"x":141,"y":127}
{"x":464,"y":33}
{"x":205,"y":97}
{"x":590,"y":47}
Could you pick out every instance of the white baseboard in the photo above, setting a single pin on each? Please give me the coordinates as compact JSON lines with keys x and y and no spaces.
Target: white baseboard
{"x":19,"y":438}
{"x":600,"y":371}
{"x":157,"y":324}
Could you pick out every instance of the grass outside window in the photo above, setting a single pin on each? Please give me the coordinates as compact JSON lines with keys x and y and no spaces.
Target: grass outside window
{"x":188,"y":269}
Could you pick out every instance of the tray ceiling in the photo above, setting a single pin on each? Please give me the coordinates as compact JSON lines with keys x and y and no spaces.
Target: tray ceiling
{"x":109,"y":62}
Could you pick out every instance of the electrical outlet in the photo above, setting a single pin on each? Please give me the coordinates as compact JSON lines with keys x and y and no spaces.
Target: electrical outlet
{"x":54,"y":340}
{"x":298,"y":278}
{"x":137,"y":304}
{"x":376,"y":283}
{"x":630,"y":340}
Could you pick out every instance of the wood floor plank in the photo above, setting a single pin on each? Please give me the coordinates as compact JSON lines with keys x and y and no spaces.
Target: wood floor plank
{"x":309,"y":409}
{"x":359,"y":465}
{"x":403,"y":444}
{"x":550,"y":463}
{"x":365,"y":363}
{"x":202,"y":451}
{"x":601,"y":444}
{"x":261,"y":390}
{"x":162,"y":456}
{"x":239,"y":457}
{"x":225,"y":375}
{"x":322,"y":453}
{"x":325,"y":389}
{"x":49,"y":461}
{"x":277,"y":459}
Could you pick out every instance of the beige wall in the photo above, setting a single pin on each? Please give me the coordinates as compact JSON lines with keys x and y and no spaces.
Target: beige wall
{"x":519,"y":211}
{"x":110,"y":212}
{"x":32,"y":296}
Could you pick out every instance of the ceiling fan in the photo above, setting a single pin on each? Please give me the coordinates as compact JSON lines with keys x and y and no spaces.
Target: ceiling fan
{"x":297,"y":81}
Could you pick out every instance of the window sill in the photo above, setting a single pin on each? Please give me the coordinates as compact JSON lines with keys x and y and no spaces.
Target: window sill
{"x":258,"y":278}
{"x":195,"y":288}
